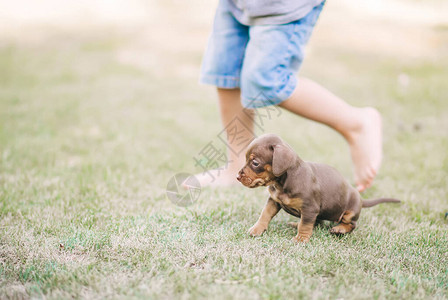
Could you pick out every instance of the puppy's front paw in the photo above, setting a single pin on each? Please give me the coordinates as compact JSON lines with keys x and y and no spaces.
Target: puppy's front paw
{"x":257,"y":230}
{"x":301,"y":239}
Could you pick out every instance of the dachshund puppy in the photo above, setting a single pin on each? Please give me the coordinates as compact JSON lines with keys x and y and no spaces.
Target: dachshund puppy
{"x":310,"y":191}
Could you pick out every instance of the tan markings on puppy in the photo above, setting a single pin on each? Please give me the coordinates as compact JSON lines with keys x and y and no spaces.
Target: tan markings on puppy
{"x":257,"y":229}
{"x":269,"y":211}
{"x":346,"y":224}
{"x":305,"y":230}
{"x":295,"y":203}
{"x":259,"y":179}
{"x":342,"y":228}
{"x":257,"y":182}
{"x":347,"y":216}
{"x":249,"y":156}
{"x":275,"y":192}
{"x":280,"y":196}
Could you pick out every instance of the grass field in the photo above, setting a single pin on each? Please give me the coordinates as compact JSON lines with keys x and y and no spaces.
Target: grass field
{"x":95,"y":120}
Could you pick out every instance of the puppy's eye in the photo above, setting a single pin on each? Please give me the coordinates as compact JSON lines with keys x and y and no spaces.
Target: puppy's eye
{"x":255,"y":163}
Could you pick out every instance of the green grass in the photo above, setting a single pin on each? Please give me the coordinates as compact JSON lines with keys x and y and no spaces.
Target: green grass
{"x":88,"y":142}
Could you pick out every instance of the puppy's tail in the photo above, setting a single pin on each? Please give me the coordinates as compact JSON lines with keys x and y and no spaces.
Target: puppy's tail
{"x":373,"y":202}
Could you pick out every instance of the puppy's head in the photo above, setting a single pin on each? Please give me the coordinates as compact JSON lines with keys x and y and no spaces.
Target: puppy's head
{"x":267,"y":158}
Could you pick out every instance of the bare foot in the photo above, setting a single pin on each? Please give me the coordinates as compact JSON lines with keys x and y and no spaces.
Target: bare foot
{"x":366,"y":148}
{"x":218,"y":177}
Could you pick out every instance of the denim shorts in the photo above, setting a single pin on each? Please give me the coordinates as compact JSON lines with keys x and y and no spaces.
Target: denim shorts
{"x":261,"y":60}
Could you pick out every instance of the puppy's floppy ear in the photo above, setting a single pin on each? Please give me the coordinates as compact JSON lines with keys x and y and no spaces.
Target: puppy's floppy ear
{"x":282,"y":158}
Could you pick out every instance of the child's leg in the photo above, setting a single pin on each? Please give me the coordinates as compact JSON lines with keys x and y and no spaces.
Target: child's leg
{"x":361,"y":127}
{"x":221,"y":67}
{"x":230,"y":109}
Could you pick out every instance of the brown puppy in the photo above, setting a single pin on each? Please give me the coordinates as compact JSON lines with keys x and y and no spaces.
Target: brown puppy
{"x":307,"y":190}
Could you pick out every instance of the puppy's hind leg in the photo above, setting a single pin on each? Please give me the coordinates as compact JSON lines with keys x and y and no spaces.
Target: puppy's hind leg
{"x":348,"y":219}
{"x":347,"y":224}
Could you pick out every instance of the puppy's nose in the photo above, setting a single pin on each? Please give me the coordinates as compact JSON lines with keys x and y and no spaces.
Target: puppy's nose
{"x":239,"y":175}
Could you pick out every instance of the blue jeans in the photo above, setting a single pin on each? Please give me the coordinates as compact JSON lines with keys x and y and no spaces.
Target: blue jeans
{"x":260,"y":60}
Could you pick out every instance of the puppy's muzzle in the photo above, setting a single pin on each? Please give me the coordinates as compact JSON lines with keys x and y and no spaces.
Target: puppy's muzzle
{"x":240,"y":176}
{"x":243,"y":178}
{"x":247,"y":181}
